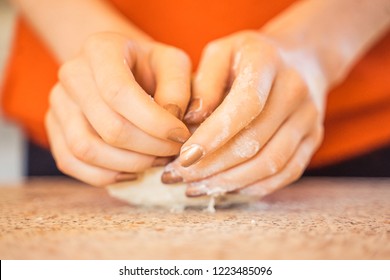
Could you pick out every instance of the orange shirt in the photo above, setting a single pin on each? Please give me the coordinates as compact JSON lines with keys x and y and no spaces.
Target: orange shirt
{"x":358,"y":111}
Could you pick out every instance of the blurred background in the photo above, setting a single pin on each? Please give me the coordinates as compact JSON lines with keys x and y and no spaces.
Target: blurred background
{"x":11,"y":139}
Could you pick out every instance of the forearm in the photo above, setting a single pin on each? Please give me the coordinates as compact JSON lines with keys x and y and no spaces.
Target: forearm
{"x":337,"y":32}
{"x":65,"y":24}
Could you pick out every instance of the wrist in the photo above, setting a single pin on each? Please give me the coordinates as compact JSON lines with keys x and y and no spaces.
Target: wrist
{"x":335,"y":34}
{"x":306,"y":62}
{"x":307,"y":55}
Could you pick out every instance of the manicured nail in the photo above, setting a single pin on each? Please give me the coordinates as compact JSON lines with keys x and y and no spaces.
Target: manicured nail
{"x":196,"y":117}
{"x":174,"y":110}
{"x":171,"y":177}
{"x":161,"y":161}
{"x":191,"y":154}
{"x":193,"y":111}
{"x":122,"y":177}
{"x":179,"y":135}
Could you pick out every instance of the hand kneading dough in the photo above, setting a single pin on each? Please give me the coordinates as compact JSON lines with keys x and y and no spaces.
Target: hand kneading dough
{"x":149,"y":191}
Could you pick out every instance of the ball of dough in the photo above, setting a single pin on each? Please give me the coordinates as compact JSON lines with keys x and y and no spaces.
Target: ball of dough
{"x":149,"y":191}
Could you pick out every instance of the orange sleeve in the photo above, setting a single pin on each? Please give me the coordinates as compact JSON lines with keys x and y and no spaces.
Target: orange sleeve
{"x":358,"y":111}
{"x":30,"y":74}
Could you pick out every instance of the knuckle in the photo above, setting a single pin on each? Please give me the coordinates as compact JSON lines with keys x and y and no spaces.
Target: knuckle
{"x":295,"y":135}
{"x":63,"y":165}
{"x":82,"y":149}
{"x":213,"y":47}
{"x":250,"y":48}
{"x":177,"y":79}
{"x":248,"y":37}
{"x":298,"y":87}
{"x":314,"y":115}
{"x":260,"y":92}
{"x":48,"y":122}
{"x":53,"y":96}
{"x":181,"y":55}
{"x":296,"y":173}
{"x":175,"y":53}
{"x":68,"y":71}
{"x":275,"y":163}
{"x":112,"y":134}
{"x":113,"y":89}
{"x":251,"y":41}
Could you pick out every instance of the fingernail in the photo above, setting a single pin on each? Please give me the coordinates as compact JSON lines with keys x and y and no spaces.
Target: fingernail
{"x":179,"y":135}
{"x":193,"y":115}
{"x":196,"y":117}
{"x":171,"y":177}
{"x":191,"y":154}
{"x":161,"y":161}
{"x":174,"y":110}
{"x":122,"y":177}
{"x":195,"y":105}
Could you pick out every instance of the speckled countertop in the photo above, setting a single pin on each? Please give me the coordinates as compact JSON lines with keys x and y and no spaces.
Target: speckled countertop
{"x":313,"y":219}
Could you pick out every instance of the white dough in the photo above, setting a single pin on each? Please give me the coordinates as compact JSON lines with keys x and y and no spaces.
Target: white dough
{"x":149,"y":191}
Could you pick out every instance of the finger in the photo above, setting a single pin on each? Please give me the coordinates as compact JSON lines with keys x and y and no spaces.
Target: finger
{"x":162,"y":161}
{"x":119,"y":89}
{"x":84,"y":143}
{"x":72,"y":166}
{"x":115,"y":130}
{"x":287,"y":94}
{"x":172,"y":70}
{"x":244,"y":103}
{"x":292,"y":172}
{"x":210,"y":82}
{"x":272,"y":158}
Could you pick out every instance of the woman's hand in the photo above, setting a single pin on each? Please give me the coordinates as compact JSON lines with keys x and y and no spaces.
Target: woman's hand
{"x":116,"y":107}
{"x":262,"y":134}
{"x":265,"y":104}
